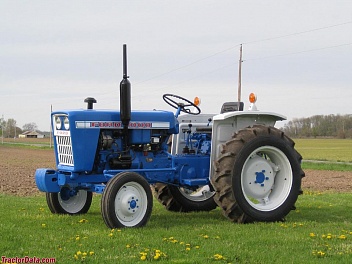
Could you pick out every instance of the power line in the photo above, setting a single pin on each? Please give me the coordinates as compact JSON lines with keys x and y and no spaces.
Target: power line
{"x":298,"y":52}
{"x":297,"y":33}
{"x":190,"y":64}
{"x":251,"y":42}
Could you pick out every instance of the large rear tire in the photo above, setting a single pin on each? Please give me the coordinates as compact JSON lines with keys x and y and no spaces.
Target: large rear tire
{"x":64,"y":203}
{"x":258,"y":176}
{"x":127,"y":201}
{"x":179,"y":199}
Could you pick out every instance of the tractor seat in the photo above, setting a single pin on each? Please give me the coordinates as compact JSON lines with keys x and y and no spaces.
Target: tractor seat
{"x":231,"y":107}
{"x":204,"y":130}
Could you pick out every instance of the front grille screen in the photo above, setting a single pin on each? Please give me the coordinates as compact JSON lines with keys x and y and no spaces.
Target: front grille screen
{"x":64,"y":150}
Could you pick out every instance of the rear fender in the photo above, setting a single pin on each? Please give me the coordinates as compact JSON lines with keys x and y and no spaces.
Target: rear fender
{"x":226,"y":124}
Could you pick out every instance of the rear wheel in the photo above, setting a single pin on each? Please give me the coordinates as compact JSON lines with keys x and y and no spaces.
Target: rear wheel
{"x":69,"y":202}
{"x":127,"y":201}
{"x":258,"y":176}
{"x":180,"y":199}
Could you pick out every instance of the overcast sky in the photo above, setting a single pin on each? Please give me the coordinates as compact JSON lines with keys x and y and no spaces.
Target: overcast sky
{"x":297,"y":54}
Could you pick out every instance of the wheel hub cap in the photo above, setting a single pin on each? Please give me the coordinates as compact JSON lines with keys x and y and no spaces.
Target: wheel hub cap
{"x":259,"y":178}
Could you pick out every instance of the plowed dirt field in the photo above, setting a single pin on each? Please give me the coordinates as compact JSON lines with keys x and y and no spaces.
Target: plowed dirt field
{"x":18,"y":165}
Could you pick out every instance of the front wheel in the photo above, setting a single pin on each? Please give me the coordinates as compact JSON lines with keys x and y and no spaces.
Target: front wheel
{"x":258,"y":176}
{"x":127,"y":201}
{"x":69,"y":202}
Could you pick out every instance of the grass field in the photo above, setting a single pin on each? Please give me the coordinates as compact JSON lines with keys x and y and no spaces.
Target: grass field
{"x":336,"y":150}
{"x":319,"y":231}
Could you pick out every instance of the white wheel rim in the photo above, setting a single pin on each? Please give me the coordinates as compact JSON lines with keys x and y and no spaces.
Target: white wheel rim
{"x":131,"y":204}
{"x":266,"y":178}
{"x":75,"y":203}
{"x":199,"y":195}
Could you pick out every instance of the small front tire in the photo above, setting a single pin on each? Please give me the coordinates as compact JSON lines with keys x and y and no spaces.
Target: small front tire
{"x":127,"y":201}
{"x":64,"y":203}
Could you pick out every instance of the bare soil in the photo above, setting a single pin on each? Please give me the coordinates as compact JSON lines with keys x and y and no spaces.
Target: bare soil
{"x":18,"y":165}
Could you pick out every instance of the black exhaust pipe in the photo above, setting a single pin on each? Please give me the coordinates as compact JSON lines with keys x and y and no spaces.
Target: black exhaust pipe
{"x":125,"y":99}
{"x":125,"y":93}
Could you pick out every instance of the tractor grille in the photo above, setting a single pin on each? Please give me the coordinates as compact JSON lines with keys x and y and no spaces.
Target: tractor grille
{"x":64,"y":150}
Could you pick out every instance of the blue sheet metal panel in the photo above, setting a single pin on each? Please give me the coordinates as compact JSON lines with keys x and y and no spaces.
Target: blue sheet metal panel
{"x":155,"y":119}
{"x":47,"y":180}
{"x":84,"y":131}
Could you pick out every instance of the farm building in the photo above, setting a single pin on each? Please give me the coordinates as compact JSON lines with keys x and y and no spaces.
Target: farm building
{"x":31,"y":134}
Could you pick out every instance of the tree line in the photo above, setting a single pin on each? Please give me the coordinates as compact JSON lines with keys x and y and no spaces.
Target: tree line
{"x":9,"y":129}
{"x":337,"y":126}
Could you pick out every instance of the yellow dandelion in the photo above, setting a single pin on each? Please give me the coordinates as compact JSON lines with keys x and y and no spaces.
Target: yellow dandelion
{"x":342,"y":237}
{"x":84,"y":254}
{"x":43,"y":225}
{"x":128,"y":246}
{"x":77,"y":238}
{"x":205,"y":236}
{"x":75,"y":257}
{"x":91,"y":253}
{"x":111,"y":234}
{"x":218,"y":257}
{"x":312,"y":235}
{"x":143,"y":257}
{"x":197,"y":247}
{"x":157,"y":256}
{"x":78,"y":253}
{"x":188,"y":248}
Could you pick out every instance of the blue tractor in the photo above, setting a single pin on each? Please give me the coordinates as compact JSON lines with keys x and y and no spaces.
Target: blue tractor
{"x":190,"y":161}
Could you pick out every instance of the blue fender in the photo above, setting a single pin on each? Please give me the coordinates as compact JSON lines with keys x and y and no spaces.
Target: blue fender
{"x":47,"y":180}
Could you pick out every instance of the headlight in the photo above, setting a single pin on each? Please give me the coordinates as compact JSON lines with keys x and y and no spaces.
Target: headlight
{"x":58,"y":122}
{"x":66,"y":123}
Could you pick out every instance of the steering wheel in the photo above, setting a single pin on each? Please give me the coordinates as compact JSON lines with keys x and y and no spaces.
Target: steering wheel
{"x":182,"y":104}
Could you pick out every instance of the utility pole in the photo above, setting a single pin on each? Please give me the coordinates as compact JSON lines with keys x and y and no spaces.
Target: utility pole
{"x":240,"y":77}
{"x":2,"y":129}
{"x":51,"y":110}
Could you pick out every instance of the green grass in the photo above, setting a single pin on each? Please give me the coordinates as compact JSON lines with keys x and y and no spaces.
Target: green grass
{"x":334,"y":150}
{"x":325,"y":154}
{"x":33,"y":143}
{"x":326,"y":166}
{"x":319,"y":231}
